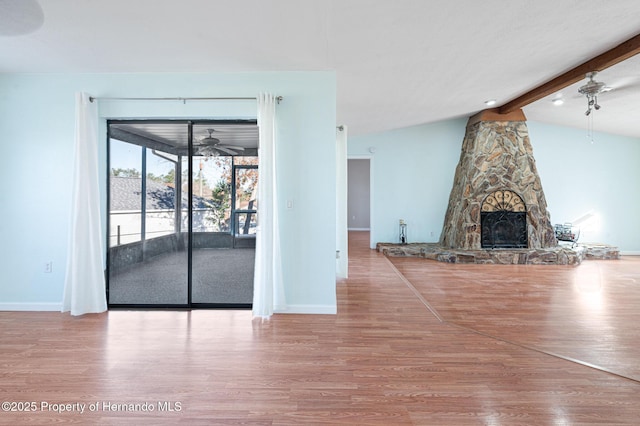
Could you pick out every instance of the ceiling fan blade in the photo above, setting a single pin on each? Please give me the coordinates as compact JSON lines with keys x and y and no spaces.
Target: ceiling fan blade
{"x":228,"y":151}
{"x":624,"y":82}
{"x":236,"y":148}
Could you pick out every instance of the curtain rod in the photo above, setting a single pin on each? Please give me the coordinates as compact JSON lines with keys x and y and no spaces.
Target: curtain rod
{"x":94,"y":98}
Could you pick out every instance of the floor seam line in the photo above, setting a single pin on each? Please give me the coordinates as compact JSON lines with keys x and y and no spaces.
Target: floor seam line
{"x":415,"y":291}
{"x":443,"y":321}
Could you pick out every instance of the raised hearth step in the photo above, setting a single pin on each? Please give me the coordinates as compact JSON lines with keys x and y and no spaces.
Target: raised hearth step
{"x":560,"y":255}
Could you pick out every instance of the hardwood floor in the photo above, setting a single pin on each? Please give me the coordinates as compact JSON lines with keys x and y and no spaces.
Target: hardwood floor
{"x":588,"y":313}
{"x":384,"y":359}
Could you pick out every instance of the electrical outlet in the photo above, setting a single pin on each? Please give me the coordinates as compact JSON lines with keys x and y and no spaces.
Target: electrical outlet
{"x":48,"y":267}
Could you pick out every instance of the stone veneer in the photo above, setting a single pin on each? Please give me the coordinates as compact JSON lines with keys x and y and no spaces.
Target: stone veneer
{"x":496,"y":155}
{"x":563,"y":254}
{"x":558,"y":255}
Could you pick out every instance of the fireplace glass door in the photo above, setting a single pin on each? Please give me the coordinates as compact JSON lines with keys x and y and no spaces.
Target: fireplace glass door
{"x":503,"y":229}
{"x":503,"y":221}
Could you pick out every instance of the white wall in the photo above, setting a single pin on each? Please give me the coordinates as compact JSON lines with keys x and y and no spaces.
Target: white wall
{"x":413,"y":170}
{"x":36,"y":134}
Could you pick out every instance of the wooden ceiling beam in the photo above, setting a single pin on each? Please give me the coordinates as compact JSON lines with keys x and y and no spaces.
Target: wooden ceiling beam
{"x":609,"y":58}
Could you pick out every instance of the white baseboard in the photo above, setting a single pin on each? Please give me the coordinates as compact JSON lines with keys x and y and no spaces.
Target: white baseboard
{"x":57,"y":307}
{"x":309,"y":309}
{"x":32,"y":307}
{"x":358,"y":229}
{"x":630,"y":253}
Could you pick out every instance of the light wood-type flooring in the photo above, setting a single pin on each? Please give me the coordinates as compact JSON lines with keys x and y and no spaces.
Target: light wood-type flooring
{"x":442,"y":345}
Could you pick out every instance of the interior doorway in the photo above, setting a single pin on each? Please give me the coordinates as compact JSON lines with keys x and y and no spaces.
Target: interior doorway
{"x":359,"y":194}
{"x":182,"y":213}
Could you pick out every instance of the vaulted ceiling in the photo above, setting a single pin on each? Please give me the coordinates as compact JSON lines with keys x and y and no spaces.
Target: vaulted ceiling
{"x":397,"y":63}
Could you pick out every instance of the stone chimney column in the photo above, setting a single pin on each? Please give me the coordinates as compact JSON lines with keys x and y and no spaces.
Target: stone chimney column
{"x":496,"y":156}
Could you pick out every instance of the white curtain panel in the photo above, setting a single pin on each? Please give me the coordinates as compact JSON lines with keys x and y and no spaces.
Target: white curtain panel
{"x":268,"y":287}
{"x":84,"y":289}
{"x":342,"y":246}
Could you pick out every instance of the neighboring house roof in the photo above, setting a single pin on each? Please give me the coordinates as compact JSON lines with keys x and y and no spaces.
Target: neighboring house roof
{"x":125,"y":195}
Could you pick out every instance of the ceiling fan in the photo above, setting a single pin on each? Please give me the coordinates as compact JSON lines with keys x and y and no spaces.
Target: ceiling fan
{"x":212,"y":147}
{"x":622,"y":86}
{"x":591,"y":90}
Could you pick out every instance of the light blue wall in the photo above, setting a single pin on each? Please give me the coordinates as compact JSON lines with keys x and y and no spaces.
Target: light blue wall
{"x":36,"y":136}
{"x":413,"y":170}
{"x":580,"y":177}
{"x":412,"y":173}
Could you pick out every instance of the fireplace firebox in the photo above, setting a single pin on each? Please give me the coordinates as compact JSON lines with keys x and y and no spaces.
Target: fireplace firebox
{"x":503,"y":221}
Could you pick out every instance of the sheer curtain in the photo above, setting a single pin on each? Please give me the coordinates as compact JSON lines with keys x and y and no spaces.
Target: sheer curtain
{"x":342,"y":246}
{"x":84,"y":288}
{"x":268,"y":287}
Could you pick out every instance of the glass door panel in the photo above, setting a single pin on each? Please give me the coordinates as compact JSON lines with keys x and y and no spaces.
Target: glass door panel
{"x":181,"y":196}
{"x":148,"y":257}
{"x":216,"y":277}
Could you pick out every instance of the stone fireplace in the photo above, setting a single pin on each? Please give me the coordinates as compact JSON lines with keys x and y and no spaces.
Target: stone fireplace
{"x":497,"y":201}
{"x":497,"y":212}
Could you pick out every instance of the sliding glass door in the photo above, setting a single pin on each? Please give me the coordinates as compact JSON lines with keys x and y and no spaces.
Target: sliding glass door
{"x":176,"y":212}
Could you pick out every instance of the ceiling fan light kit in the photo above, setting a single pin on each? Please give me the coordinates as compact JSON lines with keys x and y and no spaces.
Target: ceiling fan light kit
{"x":208,"y":151}
{"x":211,"y":147}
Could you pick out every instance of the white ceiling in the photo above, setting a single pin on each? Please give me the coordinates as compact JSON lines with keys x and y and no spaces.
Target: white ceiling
{"x":398,"y":62}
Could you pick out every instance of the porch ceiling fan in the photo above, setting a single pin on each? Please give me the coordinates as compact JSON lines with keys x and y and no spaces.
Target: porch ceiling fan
{"x":210,"y":146}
